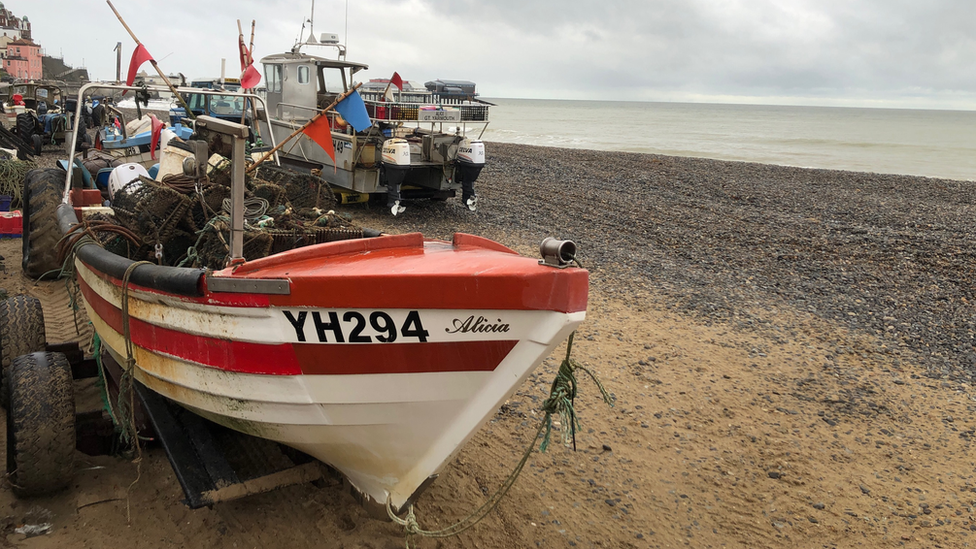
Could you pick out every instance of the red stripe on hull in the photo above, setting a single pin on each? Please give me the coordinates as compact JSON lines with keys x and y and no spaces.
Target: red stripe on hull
{"x":234,"y":356}
{"x":304,"y":358}
{"x":402,"y":358}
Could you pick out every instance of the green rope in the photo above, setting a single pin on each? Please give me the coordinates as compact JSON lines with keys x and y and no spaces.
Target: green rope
{"x":103,"y":380}
{"x":560,"y":401}
{"x":192,"y":255}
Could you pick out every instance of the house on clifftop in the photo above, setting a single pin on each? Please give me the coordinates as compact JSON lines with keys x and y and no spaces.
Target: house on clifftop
{"x":23,"y":60}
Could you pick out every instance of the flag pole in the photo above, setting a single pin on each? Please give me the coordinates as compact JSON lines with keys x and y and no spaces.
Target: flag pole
{"x":244,"y":60}
{"x":318,"y":115}
{"x":159,"y":71}
{"x":250,"y":61}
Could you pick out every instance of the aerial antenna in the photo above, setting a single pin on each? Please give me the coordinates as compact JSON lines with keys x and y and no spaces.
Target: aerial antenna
{"x":345,"y":32}
{"x":311,"y":27}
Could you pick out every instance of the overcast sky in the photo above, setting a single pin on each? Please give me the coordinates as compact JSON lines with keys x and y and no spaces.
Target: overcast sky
{"x":885,"y":53}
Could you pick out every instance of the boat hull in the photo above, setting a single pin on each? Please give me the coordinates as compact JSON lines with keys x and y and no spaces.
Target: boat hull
{"x":385,"y":392}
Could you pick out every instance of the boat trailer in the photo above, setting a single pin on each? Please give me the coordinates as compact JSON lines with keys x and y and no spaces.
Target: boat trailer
{"x":213,"y":464}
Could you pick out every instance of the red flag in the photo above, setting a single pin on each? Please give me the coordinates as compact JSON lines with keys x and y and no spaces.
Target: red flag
{"x":250,"y":78}
{"x":319,"y":132}
{"x":157,"y":130}
{"x":397,"y":81}
{"x":139,"y":56}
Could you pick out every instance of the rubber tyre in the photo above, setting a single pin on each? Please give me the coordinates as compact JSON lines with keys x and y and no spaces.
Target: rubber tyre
{"x":26,"y":124}
{"x":38,"y":143}
{"x":21,"y":333}
{"x":43,"y":189}
{"x":40,"y":424}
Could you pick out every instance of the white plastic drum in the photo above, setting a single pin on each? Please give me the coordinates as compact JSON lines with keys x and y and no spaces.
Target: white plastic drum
{"x":123,"y":175}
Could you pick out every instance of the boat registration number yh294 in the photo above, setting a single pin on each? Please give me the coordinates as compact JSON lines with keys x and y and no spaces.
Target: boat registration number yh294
{"x":394,"y":326}
{"x":356,"y":326}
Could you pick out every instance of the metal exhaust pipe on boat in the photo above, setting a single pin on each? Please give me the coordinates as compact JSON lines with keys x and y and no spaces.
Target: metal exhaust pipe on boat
{"x":557,"y":253}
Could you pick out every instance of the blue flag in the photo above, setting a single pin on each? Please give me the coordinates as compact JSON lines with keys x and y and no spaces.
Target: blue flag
{"x":354,"y":111}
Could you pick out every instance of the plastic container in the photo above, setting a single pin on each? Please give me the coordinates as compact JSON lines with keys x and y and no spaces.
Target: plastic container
{"x":11,"y":224}
{"x":4,"y":203}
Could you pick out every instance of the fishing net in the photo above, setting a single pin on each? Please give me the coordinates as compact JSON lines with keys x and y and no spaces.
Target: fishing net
{"x":150,"y":210}
{"x":12,"y":174}
{"x":185,"y":222}
{"x":303,"y":190}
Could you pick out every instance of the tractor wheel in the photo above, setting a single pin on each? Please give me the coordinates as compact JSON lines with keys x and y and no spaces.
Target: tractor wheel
{"x":43,"y":189}
{"x":38,"y":143}
{"x":26,"y":124}
{"x":40,"y":424}
{"x":21,"y":333}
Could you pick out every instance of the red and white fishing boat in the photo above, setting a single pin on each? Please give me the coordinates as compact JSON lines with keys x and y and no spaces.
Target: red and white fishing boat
{"x":378,"y":356}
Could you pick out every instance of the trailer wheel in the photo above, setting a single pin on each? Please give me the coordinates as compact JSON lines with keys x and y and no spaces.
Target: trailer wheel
{"x":40,"y":424}
{"x":21,"y":333}
{"x":42,"y":194}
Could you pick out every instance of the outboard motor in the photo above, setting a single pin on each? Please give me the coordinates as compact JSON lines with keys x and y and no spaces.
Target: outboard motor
{"x":123,"y":175}
{"x":470,"y":160}
{"x":396,"y":164}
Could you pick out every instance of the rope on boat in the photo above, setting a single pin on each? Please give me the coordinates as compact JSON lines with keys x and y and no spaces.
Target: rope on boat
{"x":560,"y":402}
{"x":254,"y":208}
{"x":126,"y":401}
{"x":103,"y":378}
{"x":192,"y":253}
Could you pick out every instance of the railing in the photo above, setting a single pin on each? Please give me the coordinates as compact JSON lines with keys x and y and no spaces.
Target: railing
{"x":418,"y":112}
{"x":398,"y":112}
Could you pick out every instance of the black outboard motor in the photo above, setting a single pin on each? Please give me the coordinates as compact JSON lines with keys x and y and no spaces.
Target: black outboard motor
{"x":470,"y":160}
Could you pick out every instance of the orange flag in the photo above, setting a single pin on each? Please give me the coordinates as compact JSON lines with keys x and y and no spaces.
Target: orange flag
{"x":318,"y":131}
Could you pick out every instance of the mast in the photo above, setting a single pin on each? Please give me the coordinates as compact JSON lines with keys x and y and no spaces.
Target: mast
{"x":311,"y":24}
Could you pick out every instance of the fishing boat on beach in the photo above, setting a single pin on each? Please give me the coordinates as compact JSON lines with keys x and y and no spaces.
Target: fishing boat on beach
{"x":415,"y":144}
{"x":380,"y":355}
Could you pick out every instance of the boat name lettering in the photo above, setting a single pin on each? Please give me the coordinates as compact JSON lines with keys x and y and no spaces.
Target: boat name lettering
{"x":481,"y":325}
{"x":357,"y":327}
{"x":340,"y":146}
{"x":439,"y":116}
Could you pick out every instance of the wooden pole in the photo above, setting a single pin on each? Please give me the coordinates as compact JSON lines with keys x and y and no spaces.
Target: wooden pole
{"x":159,"y":71}
{"x":118,"y":63}
{"x":244,"y":58}
{"x":250,"y":48}
{"x":254,"y":108}
{"x":301,"y":129}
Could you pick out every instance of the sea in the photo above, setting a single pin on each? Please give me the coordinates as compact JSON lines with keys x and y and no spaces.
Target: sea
{"x":932,"y":143}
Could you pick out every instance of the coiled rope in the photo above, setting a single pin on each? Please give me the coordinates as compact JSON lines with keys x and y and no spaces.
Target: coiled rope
{"x":560,"y":402}
{"x":254,"y":208}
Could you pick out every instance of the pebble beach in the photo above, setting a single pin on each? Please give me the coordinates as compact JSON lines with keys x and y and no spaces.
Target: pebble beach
{"x":887,"y":256}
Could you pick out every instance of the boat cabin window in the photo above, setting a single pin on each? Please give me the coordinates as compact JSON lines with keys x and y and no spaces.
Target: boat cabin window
{"x":303,"y":74}
{"x":272,"y":74}
{"x":333,"y":79}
